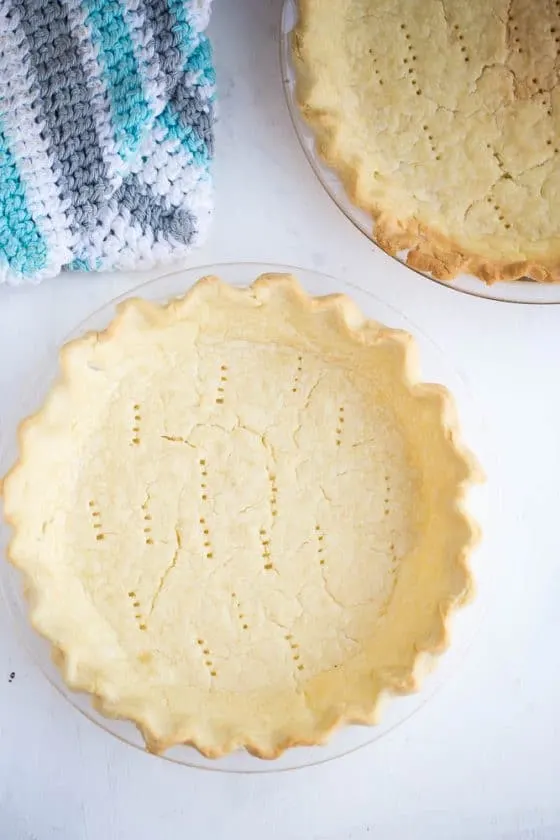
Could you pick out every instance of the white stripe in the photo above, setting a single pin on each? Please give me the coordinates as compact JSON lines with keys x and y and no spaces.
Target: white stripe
{"x":166,"y":161}
{"x":198,"y":14}
{"x":171,"y":173}
{"x":129,"y":247}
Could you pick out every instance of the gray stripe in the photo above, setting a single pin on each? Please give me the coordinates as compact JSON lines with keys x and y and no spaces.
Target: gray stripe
{"x":152,"y":211}
{"x":64,"y":100}
{"x":166,"y":41}
{"x":194,"y":111}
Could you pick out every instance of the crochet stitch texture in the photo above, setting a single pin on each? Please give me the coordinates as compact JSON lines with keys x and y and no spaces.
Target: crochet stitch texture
{"x":106,"y":133}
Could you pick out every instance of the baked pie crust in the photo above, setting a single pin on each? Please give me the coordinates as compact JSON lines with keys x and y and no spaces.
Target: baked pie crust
{"x":442,"y":118}
{"x":239,"y":516}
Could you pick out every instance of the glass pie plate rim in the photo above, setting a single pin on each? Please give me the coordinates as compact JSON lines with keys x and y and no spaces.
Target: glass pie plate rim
{"x":524,"y":292}
{"x":396,"y":710}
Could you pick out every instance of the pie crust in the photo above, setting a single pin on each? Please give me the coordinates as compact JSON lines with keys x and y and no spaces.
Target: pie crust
{"x":240,"y":516}
{"x":442,"y":117}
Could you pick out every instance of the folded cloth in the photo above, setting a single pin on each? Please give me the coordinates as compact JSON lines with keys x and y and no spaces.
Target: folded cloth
{"x":106,"y":133}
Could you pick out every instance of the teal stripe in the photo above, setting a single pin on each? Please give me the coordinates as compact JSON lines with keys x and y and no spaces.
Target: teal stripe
{"x":84,"y":264}
{"x":78,"y":264}
{"x":130,"y":110}
{"x":21,"y":244}
{"x":201,"y":61}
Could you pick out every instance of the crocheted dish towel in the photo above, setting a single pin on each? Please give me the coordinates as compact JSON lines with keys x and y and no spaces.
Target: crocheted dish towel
{"x":106,"y":133}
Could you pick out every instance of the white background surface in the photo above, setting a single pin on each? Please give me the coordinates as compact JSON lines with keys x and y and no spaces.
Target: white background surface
{"x":482,"y":759}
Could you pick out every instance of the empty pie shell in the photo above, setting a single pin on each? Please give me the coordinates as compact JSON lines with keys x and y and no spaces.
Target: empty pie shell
{"x":443,"y":121}
{"x":240,"y":516}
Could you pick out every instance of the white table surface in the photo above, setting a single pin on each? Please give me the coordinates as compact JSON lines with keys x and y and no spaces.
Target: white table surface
{"x":482,"y":758}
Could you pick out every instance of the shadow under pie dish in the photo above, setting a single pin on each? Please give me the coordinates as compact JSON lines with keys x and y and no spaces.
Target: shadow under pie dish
{"x":442,"y":122}
{"x":256,"y":528}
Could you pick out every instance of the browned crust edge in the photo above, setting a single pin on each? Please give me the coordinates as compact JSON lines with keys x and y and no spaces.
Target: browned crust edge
{"x":349,"y":319}
{"x":428,"y":250}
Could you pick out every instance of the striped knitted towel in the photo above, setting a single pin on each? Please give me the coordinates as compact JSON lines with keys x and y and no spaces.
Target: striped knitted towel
{"x":106,"y":133}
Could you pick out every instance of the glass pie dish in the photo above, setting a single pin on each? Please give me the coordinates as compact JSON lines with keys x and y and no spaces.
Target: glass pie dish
{"x":463,"y":625}
{"x":519,"y":291}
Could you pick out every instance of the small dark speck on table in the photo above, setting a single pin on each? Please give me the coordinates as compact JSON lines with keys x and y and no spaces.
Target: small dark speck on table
{"x":12,"y":676}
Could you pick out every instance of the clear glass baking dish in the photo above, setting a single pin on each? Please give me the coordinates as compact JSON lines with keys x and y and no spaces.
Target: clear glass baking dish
{"x":520,"y":291}
{"x":465,"y":623}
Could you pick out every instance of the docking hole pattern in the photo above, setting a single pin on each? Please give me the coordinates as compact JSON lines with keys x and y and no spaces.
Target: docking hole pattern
{"x":443,"y":121}
{"x":241,"y":530}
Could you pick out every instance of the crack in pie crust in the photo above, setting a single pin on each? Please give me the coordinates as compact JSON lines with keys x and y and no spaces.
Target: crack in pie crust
{"x":239,"y":516}
{"x":442,"y":118}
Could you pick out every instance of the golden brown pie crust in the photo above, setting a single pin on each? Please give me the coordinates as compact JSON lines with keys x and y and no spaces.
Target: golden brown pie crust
{"x":442,"y":118}
{"x":240,"y":517}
